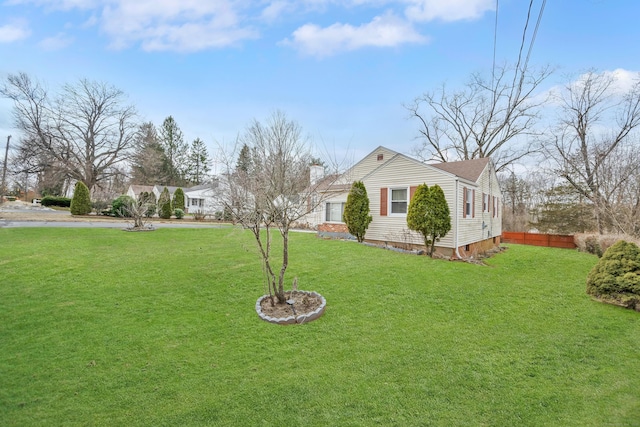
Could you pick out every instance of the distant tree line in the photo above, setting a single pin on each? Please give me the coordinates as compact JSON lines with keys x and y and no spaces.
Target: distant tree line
{"x":88,"y":132}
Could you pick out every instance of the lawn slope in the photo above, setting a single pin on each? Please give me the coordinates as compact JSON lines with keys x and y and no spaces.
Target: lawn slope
{"x":103,"y":327}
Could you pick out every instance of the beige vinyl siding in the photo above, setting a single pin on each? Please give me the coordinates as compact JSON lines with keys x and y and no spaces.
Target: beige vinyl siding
{"x":366,"y":165}
{"x":471,"y":229}
{"x":401,"y":172}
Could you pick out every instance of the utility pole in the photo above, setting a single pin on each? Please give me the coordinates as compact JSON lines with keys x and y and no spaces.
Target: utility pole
{"x":4,"y":170}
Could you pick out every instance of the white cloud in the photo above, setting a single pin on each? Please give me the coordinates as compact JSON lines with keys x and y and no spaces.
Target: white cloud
{"x":275,"y":9}
{"x":60,"y":4}
{"x":13,"y":32}
{"x":57,"y":42}
{"x":447,"y":10}
{"x":622,"y":81}
{"x":192,"y":25}
{"x":188,"y":25}
{"x":177,"y":25}
{"x":383,"y":31}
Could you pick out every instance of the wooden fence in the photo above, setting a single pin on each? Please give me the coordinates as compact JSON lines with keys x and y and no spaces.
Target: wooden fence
{"x":537,"y":239}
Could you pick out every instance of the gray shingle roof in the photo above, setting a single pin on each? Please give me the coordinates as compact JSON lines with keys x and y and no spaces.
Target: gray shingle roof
{"x":467,"y":169}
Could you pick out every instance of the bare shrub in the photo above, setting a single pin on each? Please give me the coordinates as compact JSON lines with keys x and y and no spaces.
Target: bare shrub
{"x":598,"y":244}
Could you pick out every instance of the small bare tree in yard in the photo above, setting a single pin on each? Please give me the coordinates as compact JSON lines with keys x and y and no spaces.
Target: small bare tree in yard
{"x":138,"y":210}
{"x":271,"y":189}
{"x":595,"y":147}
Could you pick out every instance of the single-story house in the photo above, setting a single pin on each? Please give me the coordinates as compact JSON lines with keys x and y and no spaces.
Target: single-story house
{"x":203,"y":199}
{"x":135,"y":190}
{"x":199,"y":199}
{"x":471,"y":190}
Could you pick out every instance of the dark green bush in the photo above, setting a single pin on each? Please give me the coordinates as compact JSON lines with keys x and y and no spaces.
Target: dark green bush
{"x":178,"y":213}
{"x":63,"y":202}
{"x":616,"y":276}
{"x":150,"y":199}
{"x":164,"y":204}
{"x":356,"y":211}
{"x":178,"y":199}
{"x":81,"y":201}
{"x":120,"y":206}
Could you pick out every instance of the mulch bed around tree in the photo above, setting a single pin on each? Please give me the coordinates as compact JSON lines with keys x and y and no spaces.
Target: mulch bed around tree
{"x":304,"y":303}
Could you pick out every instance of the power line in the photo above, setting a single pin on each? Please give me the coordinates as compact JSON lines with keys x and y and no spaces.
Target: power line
{"x":495,"y":44}
{"x":535,"y":32}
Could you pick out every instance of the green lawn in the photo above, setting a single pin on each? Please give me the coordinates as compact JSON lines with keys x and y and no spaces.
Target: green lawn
{"x":104,"y":327}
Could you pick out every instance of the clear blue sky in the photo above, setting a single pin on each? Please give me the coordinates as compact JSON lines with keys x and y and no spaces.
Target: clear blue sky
{"x":342,"y":69}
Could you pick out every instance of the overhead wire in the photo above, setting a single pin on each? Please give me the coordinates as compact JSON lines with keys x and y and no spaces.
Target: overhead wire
{"x":535,"y":33}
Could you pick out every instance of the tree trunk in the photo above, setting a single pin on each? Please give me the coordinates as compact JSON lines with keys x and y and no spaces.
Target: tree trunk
{"x":285,"y":262}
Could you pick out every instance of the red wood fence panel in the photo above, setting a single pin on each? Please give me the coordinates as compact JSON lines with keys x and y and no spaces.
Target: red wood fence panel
{"x":537,"y":239}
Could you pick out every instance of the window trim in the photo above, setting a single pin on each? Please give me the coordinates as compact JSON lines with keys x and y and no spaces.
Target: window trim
{"x":486,"y":207}
{"x":391,"y":201}
{"x":468,"y":199}
{"x":326,"y":211}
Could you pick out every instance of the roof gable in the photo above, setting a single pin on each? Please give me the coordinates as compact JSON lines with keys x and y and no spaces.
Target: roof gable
{"x":137,"y":189}
{"x":467,"y":169}
{"x":367,"y":164}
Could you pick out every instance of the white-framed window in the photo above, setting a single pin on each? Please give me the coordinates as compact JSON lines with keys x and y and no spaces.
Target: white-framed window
{"x":334,"y":211}
{"x":399,"y":200}
{"x":468,"y":203}
{"x":194,"y":202}
{"x":485,"y":202}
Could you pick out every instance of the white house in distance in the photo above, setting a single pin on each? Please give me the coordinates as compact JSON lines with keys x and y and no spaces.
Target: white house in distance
{"x":203,"y":199}
{"x":199,"y":199}
{"x":471,"y":189}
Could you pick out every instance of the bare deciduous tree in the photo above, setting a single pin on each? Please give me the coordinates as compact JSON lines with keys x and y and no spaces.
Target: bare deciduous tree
{"x":594,"y":146}
{"x":86,"y":129}
{"x":272,"y":189}
{"x":488,"y":118}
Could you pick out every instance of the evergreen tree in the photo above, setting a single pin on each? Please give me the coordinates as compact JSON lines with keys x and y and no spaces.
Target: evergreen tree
{"x":149,"y":199}
{"x":429,"y":215}
{"x":148,"y":160}
{"x":81,"y":201}
{"x":178,"y":199}
{"x":565,"y":212}
{"x":244,"y":159}
{"x":164,"y":204}
{"x":198,"y":162}
{"x":356,"y":211}
{"x":175,"y":152}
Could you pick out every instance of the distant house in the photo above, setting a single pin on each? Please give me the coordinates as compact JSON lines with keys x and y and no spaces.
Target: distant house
{"x":471,"y":189}
{"x":135,"y":190}
{"x":203,"y":199}
{"x":199,"y":199}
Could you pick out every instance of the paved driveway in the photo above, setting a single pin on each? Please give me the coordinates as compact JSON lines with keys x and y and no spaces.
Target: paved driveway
{"x":21,"y":214}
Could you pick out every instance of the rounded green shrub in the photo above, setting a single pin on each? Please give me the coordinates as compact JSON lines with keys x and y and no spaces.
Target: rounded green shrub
{"x":178,"y":199}
{"x":81,"y":201}
{"x":178,"y":213}
{"x":120,"y":206}
{"x":616,"y":276}
{"x":164,"y":204}
{"x":63,"y":202}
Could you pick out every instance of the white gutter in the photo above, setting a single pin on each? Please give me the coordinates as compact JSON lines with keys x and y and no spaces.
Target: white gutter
{"x":455,"y":240}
